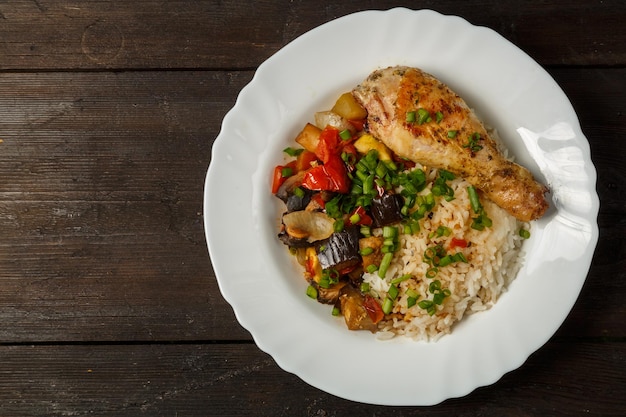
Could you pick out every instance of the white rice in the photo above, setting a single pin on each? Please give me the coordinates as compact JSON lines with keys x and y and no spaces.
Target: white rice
{"x":494,"y":258}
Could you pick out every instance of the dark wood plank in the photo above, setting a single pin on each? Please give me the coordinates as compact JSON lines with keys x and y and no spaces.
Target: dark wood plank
{"x":101,"y":189}
{"x":52,"y":34}
{"x":239,"y":380}
{"x":601,"y":108}
{"x":101,"y":182}
{"x":108,"y":301}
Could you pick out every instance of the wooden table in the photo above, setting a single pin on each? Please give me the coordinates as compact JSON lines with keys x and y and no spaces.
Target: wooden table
{"x":108,"y":302}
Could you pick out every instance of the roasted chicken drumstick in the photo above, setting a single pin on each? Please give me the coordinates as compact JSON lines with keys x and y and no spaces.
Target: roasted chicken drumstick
{"x":420,"y":118}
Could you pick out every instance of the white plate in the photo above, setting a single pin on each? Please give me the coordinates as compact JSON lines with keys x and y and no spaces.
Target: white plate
{"x":265,"y":287}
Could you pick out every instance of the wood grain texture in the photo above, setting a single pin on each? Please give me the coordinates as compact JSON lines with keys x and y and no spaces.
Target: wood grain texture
{"x":101,"y":191}
{"x":52,"y":34}
{"x":100,"y":170}
{"x":238,"y":380}
{"x":108,"y":300}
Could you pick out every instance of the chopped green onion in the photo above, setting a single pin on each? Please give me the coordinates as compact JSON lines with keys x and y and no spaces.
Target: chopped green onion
{"x":398,"y":280}
{"x":423,"y":116}
{"x":441,"y":231}
{"x":355,"y":218}
{"x":431,"y":272}
{"x":368,"y":184}
{"x":479,"y":223}
{"x":365,"y":287}
{"x":298,"y":192}
{"x":367,"y":251}
{"x":434,"y":286}
{"x":286,"y":172}
{"x":412,"y":293}
{"x":345,"y":134}
{"x":446,"y":175}
{"x":439,"y":116}
{"x":293,"y":151}
{"x":390,"y":232}
{"x":393,"y":292}
{"x":371,"y":268}
{"x":349,"y":158}
{"x":445,"y":261}
{"x":311,"y":291}
{"x":366,"y":231}
{"x":459,"y":257}
{"x":410,"y":116}
{"x":336,"y":311}
{"x":452,"y":133}
{"x":438,"y":298}
{"x":387,"y":306}
{"x":384,"y":264}
{"x":338,"y":225}
{"x":472,"y":142}
{"x":525,"y":234}
{"x":391,"y":166}
{"x":474,"y":200}
{"x":381,"y":169}
{"x":428,"y":305}
{"x":430,"y":253}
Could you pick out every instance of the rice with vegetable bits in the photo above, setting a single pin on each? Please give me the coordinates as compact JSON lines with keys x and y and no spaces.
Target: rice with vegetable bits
{"x":493,"y":259}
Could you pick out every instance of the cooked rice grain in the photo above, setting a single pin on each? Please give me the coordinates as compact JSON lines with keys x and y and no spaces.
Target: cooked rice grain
{"x":494,"y":258}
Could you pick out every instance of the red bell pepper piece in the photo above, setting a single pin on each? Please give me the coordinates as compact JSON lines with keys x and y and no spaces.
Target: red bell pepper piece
{"x":457,"y":243}
{"x":278,"y":179}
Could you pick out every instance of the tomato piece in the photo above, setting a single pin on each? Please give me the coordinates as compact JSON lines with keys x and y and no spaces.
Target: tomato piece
{"x":457,"y":243}
{"x":319,"y":200}
{"x":348,"y":269}
{"x":329,"y":144}
{"x":359,"y":124}
{"x":337,"y":171}
{"x":304,"y":160}
{"x":332,"y":176}
{"x":374,"y":310}
{"x":316,"y":179}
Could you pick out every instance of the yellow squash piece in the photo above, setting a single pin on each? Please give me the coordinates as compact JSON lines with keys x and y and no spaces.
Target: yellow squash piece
{"x":367,"y":142}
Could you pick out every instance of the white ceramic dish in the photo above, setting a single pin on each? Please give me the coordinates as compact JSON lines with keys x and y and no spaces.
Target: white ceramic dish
{"x":265,"y":287}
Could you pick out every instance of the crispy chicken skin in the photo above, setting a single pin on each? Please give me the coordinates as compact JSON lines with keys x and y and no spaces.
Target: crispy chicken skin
{"x":389,"y":94}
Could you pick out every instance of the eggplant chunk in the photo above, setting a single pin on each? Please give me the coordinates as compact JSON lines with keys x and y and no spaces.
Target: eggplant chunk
{"x":293,"y":242}
{"x":331,"y":294}
{"x":341,"y":250}
{"x":290,"y":184}
{"x":297,"y":202}
{"x":386,"y":209}
{"x":353,"y":310}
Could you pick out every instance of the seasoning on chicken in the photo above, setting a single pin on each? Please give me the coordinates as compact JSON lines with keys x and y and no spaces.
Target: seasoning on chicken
{"x":421,"y":119}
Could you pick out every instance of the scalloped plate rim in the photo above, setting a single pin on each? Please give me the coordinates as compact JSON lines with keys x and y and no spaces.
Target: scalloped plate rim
{"x":235,"y":278}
